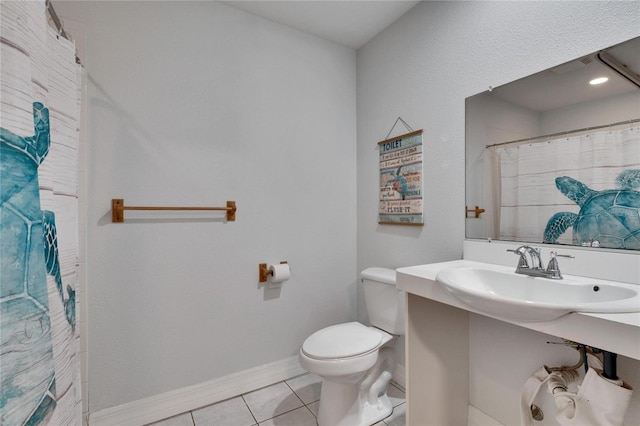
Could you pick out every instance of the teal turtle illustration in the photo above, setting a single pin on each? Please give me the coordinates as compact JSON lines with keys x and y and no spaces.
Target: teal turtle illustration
{"x":399,"y":183}
{"x":28,"y":242}
{"x":611,"y":216}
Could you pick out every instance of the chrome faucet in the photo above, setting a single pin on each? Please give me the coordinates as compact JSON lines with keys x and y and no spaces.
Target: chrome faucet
{"x":532,"y":253}
{"x":533,"y":266}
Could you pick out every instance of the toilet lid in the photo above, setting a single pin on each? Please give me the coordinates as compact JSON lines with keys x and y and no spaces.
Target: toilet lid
{"x":341,"y":341}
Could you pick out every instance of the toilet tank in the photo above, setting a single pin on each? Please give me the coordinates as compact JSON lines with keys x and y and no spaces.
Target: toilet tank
{"x":384,"y":302}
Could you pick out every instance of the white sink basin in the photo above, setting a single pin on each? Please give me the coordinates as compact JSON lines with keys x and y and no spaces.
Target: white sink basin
{"x":519,"y":297}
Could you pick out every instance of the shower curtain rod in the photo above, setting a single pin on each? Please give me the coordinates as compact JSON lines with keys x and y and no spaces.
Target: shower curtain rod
{"x":56,"y":20}
{"x":619,"y":123}
{"x":58,"y":24}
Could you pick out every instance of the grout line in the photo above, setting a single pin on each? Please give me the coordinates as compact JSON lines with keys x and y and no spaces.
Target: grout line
{"x":397,"y":386}
{"x":309,"y":410}
{"x":297,"y":408}
{"x":249,"y":408}
{"x":303,"y":403}
{"x":294,"y":392}
{"x":384,"y":423}
{"x":281,"y":414}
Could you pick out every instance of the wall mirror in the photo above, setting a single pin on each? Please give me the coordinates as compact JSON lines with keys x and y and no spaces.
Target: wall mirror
{"x":554,"y":158}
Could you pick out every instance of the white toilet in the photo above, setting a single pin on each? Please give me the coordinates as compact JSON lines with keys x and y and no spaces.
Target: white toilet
{"x":355,"y":361}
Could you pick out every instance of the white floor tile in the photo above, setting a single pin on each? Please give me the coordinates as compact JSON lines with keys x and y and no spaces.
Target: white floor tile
{"x":314,"y":407}
{"x":277,"y":405}
{"x":232,"y":412}
{"x":179,"y":420}
{"x":307,"y":387}
{"x":396,"y":395}
{"x":298,"y":417}
{"x":271,"y":401}
{"x":398,"y":417}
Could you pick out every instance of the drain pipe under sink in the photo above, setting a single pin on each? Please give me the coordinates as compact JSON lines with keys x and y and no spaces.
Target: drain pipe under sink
{"x":602,"y":398}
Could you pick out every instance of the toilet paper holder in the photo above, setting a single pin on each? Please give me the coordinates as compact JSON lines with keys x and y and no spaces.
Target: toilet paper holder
{"x":264,"y":271}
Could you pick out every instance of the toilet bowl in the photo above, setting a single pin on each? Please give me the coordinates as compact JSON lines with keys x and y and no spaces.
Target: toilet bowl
{"x":356,"y":362}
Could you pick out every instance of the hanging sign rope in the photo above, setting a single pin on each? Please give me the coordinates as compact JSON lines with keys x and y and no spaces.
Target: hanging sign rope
{"x":394,"y":126}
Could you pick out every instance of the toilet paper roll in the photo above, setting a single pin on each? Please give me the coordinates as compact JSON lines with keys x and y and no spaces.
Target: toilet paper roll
{"x":280,"y":272}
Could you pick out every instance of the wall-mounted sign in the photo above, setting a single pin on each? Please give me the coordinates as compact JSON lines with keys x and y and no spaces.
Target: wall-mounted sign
{"x":401,"y":180}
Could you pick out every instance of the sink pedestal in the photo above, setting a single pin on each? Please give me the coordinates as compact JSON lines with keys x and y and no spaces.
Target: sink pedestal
{"x":437,"y":348}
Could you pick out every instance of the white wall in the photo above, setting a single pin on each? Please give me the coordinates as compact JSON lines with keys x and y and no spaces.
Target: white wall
{"x":489,"y":120}
{"x":422,"y":68}
{"x":610,"y":110}
{"x":196,"y":103}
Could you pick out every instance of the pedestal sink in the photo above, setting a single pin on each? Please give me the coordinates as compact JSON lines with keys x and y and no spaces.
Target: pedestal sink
{"x":505,"y":294}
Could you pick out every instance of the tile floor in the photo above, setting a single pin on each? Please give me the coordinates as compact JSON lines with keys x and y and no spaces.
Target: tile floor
{"x":293,"y":402}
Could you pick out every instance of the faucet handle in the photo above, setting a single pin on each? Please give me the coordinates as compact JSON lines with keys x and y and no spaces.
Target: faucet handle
{"x":520,"y":250}
{"x":522,"y":263}
{"x":553,"y":266}
{"x":555,"y":254}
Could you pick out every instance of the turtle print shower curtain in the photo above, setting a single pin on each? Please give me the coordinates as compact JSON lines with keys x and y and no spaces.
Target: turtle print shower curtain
{"x":40,"y":85}
{"x":573,"y":190}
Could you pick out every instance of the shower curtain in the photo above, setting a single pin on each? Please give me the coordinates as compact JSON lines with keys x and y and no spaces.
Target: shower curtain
{"x":529,"y":196}
{"x":40,"y":88}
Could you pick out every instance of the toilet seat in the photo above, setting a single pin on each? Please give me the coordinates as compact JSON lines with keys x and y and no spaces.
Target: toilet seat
{"x":347,"y":340}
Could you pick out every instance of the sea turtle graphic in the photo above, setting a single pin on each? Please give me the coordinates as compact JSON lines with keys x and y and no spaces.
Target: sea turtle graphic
{"x":29,"y":251}
{"x":398,"y":183}
{"x":611,"y":216}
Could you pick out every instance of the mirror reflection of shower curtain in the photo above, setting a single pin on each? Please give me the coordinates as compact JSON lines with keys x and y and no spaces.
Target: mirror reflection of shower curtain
{"x":39,"y":140}
{"x":527,"y":196}
{"x":491,"y":193}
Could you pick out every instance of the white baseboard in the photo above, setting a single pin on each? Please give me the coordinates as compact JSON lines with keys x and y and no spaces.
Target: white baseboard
{"x":152,"y":409}
{"x":478,"y":418}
